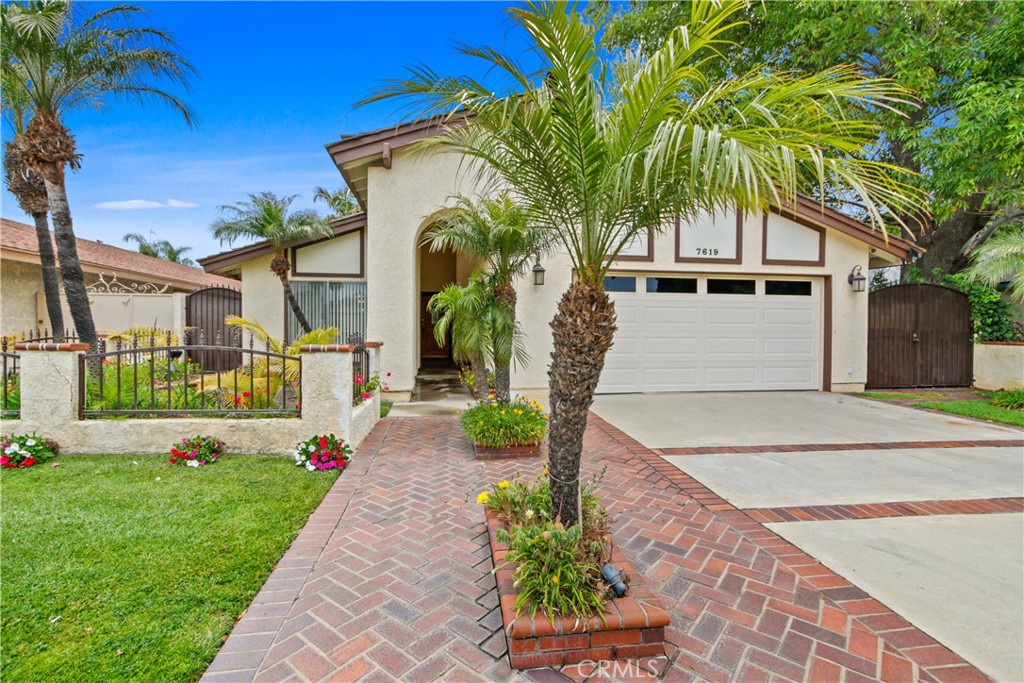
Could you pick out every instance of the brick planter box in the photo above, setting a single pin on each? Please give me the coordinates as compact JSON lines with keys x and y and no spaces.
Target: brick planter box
{"x":633,"y":626}
{"x":487,"y":453}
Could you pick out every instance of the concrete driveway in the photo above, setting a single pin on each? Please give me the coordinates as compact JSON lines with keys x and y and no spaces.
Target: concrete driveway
{"x":844,"y":479}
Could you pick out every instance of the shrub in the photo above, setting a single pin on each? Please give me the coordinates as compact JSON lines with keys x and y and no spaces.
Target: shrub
{"x":197,"y":451}
{"x":10,"y":398}
{"x":25,"y":450}
{"x":322,"y":453}
{"x":1009,"y":399}
{"x":492,"y":424}
{"x":991,"y":315}
{"x":558,"y":569}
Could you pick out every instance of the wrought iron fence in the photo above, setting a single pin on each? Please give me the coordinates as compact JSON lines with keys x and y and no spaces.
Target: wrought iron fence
{"x":42,"y":335}
{"x":154,"y":377}
{"x":10,"y":393}
{"x":360,"y":366}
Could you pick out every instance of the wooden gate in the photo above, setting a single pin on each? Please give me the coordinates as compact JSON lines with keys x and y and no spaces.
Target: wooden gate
{"x":919,"y":336}
{"x":205,"y":311}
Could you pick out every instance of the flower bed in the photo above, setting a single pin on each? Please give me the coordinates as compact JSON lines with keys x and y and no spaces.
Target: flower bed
{"x":555,"y":605}
{"x":505,"y":430}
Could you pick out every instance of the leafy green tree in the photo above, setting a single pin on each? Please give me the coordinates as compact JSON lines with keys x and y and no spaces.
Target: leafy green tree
{"x":1000,"y":259}
{"x":341,"y":202}
{"x":58,"y":59}
{"x":265,"y":216}
{"x":160,"y":249}
{"x":598,"y":153}
{"x":497,"y":232}
{"x":965,"y":133}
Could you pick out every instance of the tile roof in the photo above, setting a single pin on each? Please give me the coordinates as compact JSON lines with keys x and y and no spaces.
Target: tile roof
{"x":21,"y":237}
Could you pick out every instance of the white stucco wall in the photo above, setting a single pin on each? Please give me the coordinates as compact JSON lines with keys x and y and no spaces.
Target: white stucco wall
{"x":19,"y":285}
{"x":263,"y":296}
{"x":401,"y":198}
{"x":999,"y":365}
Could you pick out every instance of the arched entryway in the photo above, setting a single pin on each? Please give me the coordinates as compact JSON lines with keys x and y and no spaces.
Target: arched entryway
{"x":438,"y":269}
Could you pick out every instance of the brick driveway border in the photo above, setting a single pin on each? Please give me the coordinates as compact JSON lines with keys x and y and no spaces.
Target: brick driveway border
{"x":391,"y":580}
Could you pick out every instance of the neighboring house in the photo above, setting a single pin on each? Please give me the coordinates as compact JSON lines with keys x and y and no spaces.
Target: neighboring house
{"x":743,"y":303}
{"x":115,"y":278}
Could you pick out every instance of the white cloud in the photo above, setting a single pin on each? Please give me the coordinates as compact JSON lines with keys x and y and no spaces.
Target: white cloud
{"x":139,"y":204}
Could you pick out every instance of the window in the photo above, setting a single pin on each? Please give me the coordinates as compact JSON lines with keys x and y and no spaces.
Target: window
{"x":787,"y":288}
{"x":619,"y":283}
{"x":730,"y":286}
{"x":672,"y":285}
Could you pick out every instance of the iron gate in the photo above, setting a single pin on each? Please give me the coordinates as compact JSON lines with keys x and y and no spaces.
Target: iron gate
{"x":205,"y":312}
{"x":919,"y":336}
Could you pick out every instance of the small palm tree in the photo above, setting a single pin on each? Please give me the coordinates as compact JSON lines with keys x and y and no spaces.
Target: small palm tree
{"x":497,"y":232}
{"x":30,"y":192}
{"x":160,"y":249}
{"x":1001,"y":259}
{"x":57,"y":59}
{"x":341,"y":202}
{"x":599,"y":152}
{"x":265,"y":217}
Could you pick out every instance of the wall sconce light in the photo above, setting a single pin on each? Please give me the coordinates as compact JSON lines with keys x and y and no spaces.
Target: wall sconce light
{"x":856,"y":280}
{"x":538,"y":272}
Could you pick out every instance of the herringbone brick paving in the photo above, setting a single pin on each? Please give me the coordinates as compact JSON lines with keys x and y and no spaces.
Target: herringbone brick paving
{"x":391,"y":580}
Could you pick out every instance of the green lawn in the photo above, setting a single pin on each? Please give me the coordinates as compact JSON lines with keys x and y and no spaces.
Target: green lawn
{"x":981,"y":410}
{"x":115,"y":570}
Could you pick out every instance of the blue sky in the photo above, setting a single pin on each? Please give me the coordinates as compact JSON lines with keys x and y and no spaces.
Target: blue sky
{"x":276,"y":82}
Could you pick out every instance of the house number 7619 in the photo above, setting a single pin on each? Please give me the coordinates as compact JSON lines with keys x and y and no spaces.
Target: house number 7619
{"x":704,"y":251}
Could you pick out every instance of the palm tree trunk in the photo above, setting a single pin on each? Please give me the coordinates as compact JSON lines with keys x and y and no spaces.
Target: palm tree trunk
{"x":294,"y":304}
{"x":506,"y":297}
{"x":51,"y":283}
{"x":582,"y":332}
{"x":67,"y":255}
{"x":479,"y":370}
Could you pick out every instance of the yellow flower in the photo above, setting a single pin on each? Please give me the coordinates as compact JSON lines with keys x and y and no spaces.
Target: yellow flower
{"x":482,"y":498}
{"x":517,"y":411}
{"x":503,"y":485}
{"x":503,"y":412}
{"x":554,"y":579}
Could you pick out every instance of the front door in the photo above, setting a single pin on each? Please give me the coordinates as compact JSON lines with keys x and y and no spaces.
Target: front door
{"x":429,"y":348}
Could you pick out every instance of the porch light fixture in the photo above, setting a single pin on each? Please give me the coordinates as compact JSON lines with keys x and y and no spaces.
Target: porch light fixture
{"x":538,"y":272}
{"x":856,"y":280}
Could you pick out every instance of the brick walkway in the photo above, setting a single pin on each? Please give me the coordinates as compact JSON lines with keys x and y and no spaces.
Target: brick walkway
{"x":390,"y":580}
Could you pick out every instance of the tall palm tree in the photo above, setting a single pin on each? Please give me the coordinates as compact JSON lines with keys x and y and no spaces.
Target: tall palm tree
{"x":601,"y":152}
{"x":462,"y":312}
{"x":265,"y":217}
{"x":160,"y":249}
{"x":57,"y":59}
{"x":497,"y":232}
{"x":30,"y":192}
{"x":1001,"y":259}
{"x":341,"y":202}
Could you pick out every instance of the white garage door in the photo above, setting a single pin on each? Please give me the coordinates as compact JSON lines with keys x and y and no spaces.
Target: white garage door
{"x":714,"y":333}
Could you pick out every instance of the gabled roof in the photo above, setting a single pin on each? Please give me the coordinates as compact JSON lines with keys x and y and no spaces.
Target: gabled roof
{"x":18,"y":241}
{"x":353,"y":154}
{"x":233,"y":257}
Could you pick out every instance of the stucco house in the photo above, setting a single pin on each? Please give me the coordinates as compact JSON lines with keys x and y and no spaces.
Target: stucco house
{"x":113,"y":276}
{"x":728,"y":303}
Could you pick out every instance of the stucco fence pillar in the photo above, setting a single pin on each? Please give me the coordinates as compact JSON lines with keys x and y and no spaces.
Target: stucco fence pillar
{"x":999,"y":365}
{"x":50,"y":407}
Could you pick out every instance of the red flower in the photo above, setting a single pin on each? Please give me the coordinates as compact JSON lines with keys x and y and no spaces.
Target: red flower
{"x":173,"y":461}
{"x":4,"y":460}
{"x":246,"y":394}
{"x":366,"y":395}
{"x":323,"y":442}
{"x":28,"y":462}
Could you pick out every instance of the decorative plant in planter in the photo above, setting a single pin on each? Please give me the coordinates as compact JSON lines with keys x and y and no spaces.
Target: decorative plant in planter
{"x":505,"y":429}
{"x":321,"y":453}
{"x":25,"y":450}
{"x":364,"y":387}
{"x":196,"y":451}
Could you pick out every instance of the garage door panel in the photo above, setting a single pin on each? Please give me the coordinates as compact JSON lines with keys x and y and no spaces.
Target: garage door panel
{"x":714,"y":342}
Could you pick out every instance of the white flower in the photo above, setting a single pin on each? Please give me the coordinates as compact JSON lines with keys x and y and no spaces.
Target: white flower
{"x":529,"y":514}
{"x":310,"y":448}
{"x":193,"y":463}
{"x":12,"y":448}
{"x":298,"y":456}
{"x":158,"y":478}
{"x":310,"y":466}
{"x":30,"y":442}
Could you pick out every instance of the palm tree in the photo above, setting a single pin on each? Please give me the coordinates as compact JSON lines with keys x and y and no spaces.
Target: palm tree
{"x":56,"y":60}
{"x":341,"y":202}
{"x":265,"y":217}
{"x":1001,"y":259}
{"x":463,"y":311}
{"x":160,"y":249}
{"x":599,"y":152}
{"x":498,"y":232}
{"x":30,"y":192}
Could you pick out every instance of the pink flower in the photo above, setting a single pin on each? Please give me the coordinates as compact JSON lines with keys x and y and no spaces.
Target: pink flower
{"x":367,"y":394}
{"x":387,"y":388}
{"x":388,"y":374}
{"x":359,"y":379}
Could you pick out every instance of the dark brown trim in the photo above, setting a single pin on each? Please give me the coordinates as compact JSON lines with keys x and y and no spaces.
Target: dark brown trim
{"x":809,"y":212}
{"x":826,"y":324}
{"x":765,"y":261}
{"x":362,"y":258}
{"x":739,"y":245}
{"x":650,"y":250}
{"x":342,"y":226}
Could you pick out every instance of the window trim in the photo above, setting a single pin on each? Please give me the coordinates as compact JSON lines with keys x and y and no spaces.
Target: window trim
{"x":703,"y":259}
